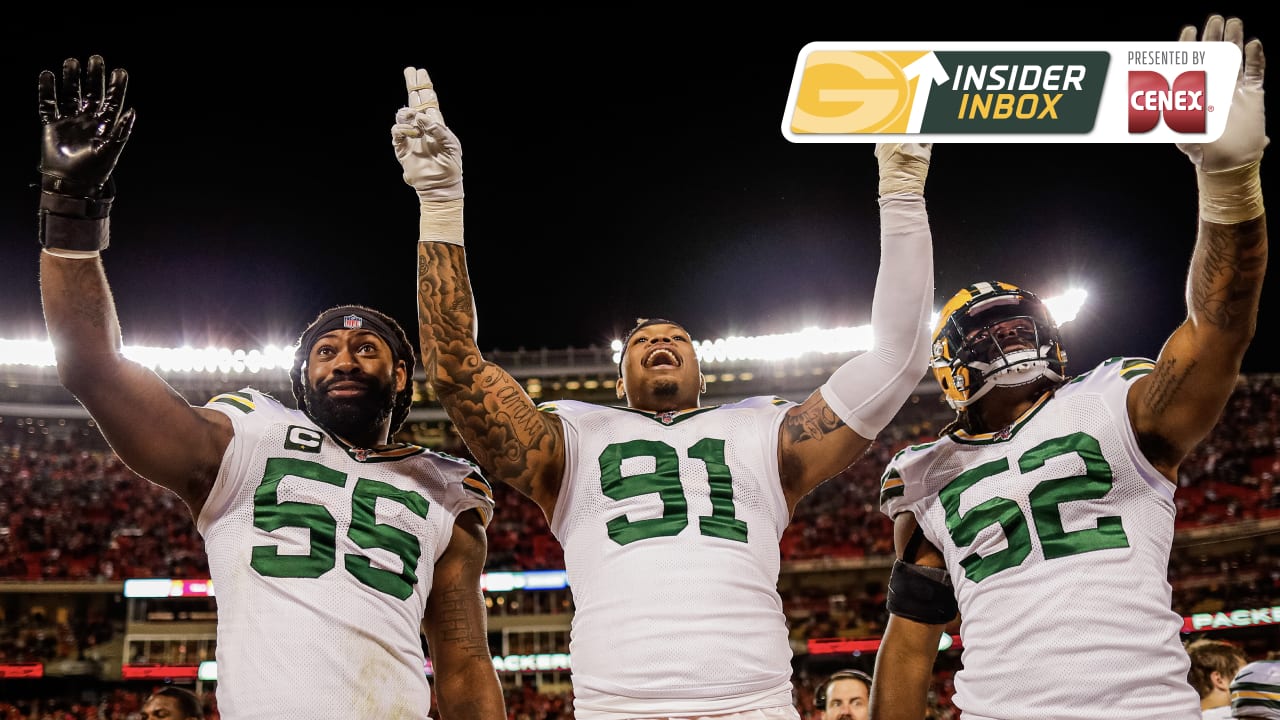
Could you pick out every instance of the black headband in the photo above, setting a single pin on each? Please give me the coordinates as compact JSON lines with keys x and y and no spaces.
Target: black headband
{"x":349,"y":318}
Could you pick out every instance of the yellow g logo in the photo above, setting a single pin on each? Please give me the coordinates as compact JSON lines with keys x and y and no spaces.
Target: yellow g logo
{"x":854,"y":92}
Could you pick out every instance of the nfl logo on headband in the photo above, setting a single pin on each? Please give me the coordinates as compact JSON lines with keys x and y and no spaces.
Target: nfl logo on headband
{"x":352,"y":322}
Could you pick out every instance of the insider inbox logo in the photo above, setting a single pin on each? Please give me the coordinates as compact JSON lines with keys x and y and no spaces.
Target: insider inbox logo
{"x":1023,"y":92}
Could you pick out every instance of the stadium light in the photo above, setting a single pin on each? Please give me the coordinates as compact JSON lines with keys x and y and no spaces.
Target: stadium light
{"x":39,"y":353}
{"x":786,"y":346}
{"x":1064,"y":309}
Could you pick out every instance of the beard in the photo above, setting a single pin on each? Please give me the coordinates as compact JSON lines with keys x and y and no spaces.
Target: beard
{"x":354,"y":416}
{"x":665,"y":387}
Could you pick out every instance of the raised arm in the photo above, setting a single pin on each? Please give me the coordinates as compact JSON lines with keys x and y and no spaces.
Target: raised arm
{"x":1176,"y":406}
{"x":149,"y":425}
{"x":835,"y":425}
{"x":456,"y":624}
{"x":496,"y":418}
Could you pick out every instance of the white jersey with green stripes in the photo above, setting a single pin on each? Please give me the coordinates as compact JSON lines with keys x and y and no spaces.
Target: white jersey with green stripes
{"x":670,"y":525}
{"x":1056,"y":533}
{"x":321,"y":557}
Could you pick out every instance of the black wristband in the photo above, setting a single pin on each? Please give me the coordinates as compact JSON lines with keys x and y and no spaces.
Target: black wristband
{"x":919,"y":593}
{"x":62,"y":232}
{"x":75,"y":206}
{"x":68,"y":222}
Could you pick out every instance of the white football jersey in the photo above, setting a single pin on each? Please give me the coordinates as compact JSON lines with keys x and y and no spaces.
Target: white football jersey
{"x":670,"y":524}
{"x":1056,"y":533}
{"x":321,"y":557}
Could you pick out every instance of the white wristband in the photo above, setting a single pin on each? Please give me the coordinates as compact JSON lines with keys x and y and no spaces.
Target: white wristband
{"x":73,"y":254}
{"x":1231,"y":196}
{"x":441,"y":222}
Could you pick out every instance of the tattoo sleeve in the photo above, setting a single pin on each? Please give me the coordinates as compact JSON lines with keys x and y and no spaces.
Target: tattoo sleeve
{"x":1226,"y":274}
{"x":500,"y":424}
{"x":1198,"y":366}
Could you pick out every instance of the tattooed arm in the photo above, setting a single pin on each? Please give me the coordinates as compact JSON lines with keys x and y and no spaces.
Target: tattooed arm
{"x":498,"y":421}
{"x":1176,"y":406}
{"x":815,"y":445}
{"x":509,"y":438}
{"x":456,"y":627}
{"x":833,"y":428}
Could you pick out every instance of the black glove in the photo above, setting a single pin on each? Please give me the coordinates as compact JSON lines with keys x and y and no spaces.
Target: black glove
{"x":84,"y":133}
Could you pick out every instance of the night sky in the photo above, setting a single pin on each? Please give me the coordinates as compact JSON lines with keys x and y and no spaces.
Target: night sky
{"x":615,"y":167}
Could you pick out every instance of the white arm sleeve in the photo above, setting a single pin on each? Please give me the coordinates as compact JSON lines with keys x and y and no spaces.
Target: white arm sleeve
{"x":868,"y":390}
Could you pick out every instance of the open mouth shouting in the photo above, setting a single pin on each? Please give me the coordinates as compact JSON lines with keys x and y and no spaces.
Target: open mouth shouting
{"x":661,"y":357}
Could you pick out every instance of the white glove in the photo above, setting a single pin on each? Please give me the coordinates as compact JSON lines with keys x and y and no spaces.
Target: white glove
{"x":431,"y":157}
{"x":428,"y":151}
{"x":1245,"y":136}
{"x":903,"y":167}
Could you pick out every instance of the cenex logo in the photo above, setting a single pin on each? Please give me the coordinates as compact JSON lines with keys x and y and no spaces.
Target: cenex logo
{"x":1182,"y":103}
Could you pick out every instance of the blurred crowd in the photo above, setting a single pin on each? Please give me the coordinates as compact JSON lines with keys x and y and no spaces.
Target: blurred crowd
{"x":71,"y":511}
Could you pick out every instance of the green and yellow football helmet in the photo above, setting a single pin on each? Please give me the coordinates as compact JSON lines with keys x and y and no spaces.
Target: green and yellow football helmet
{"x":968,"y":359}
